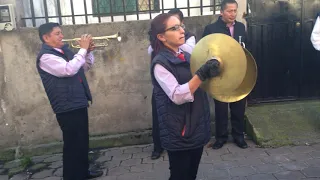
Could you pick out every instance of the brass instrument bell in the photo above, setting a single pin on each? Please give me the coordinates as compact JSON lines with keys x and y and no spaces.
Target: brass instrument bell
{"x":238,"y":67}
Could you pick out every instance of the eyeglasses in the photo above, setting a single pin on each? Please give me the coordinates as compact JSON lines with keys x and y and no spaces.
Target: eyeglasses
{"x":176,"y":28}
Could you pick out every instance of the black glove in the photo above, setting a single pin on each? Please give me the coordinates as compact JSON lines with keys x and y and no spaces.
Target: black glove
{"x":209,"y":69}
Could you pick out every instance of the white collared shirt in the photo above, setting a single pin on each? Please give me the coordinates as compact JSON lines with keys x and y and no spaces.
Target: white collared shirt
{"x":315,"y":35}
{"x":59,"y":67}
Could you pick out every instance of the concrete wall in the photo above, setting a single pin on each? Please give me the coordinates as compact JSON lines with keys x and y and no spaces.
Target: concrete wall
{"x":242,"y":9}
{"x":119,"y":81}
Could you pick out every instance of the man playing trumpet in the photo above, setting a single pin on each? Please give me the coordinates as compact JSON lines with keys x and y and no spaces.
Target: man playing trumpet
{"x":63,"y":78}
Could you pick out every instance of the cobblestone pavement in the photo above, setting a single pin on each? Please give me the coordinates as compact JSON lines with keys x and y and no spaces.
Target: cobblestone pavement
{"x":230,"y":162}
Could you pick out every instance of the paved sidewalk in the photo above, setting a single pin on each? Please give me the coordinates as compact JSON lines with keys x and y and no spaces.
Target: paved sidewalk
{"x":230,"y":162}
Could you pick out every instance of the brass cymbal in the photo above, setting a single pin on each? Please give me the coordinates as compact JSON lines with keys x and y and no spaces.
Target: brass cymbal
{"x":244,"y":88}
{"x":238,"y":67}
{"x":230,"y":55}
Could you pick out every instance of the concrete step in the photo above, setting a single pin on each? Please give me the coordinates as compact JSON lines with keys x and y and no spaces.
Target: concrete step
{"x":285,"y":123}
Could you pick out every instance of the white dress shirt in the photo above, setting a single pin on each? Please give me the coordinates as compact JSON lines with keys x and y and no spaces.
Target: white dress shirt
{"x":315,"y":35}
{"x":59,"y":67}
{"x":178,"y":93}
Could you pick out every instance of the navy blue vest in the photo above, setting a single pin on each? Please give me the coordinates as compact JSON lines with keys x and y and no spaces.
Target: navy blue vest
{"x":66,"y":93}
{"x":195,"y":116}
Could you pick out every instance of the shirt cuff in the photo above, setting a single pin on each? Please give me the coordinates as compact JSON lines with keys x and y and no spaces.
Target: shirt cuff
{"x":188,"y":96}
{"x":82,"y":52}
{"x":88,"y":55}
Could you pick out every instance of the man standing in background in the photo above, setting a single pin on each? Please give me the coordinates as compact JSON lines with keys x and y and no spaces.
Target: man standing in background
{"x":228,"y":25}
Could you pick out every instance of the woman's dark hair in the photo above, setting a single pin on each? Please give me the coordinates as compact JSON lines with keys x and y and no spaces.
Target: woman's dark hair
{"x":176,"y":11}
{"x":158,"y":26}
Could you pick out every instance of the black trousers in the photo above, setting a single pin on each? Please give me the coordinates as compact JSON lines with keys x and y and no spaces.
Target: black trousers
{"x":184,"y":164}
{"x":237,"y":110}
{"x":155,"y":127}
{"x":74,"y":126}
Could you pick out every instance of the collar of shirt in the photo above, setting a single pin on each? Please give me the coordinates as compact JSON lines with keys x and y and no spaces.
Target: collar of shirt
{"x":179,"y":52}
{"x":231,"y":24}
{"x":60,"y":50}
{"x":231,"y":29}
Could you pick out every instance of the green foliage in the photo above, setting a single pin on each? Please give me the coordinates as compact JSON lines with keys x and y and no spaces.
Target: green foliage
{"x":25,"y":162}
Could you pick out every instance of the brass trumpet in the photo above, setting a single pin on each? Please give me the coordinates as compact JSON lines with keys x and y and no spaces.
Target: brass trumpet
{"x":102,"y":44}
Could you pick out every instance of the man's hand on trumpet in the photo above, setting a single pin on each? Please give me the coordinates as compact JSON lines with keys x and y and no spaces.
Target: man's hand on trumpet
{"x":91,"y":47}
{"x":85,"y":41}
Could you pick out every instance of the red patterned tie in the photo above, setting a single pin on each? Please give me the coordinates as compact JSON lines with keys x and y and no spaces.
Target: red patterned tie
{"x":183,"y":130}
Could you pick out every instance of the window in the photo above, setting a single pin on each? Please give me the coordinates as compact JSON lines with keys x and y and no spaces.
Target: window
{"x":118,"y":7}
{"x":215,"y":5}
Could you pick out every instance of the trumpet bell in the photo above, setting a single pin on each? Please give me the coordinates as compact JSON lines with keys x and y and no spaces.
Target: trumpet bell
{"x":238,"y":68}
{"x":119,"y":38}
